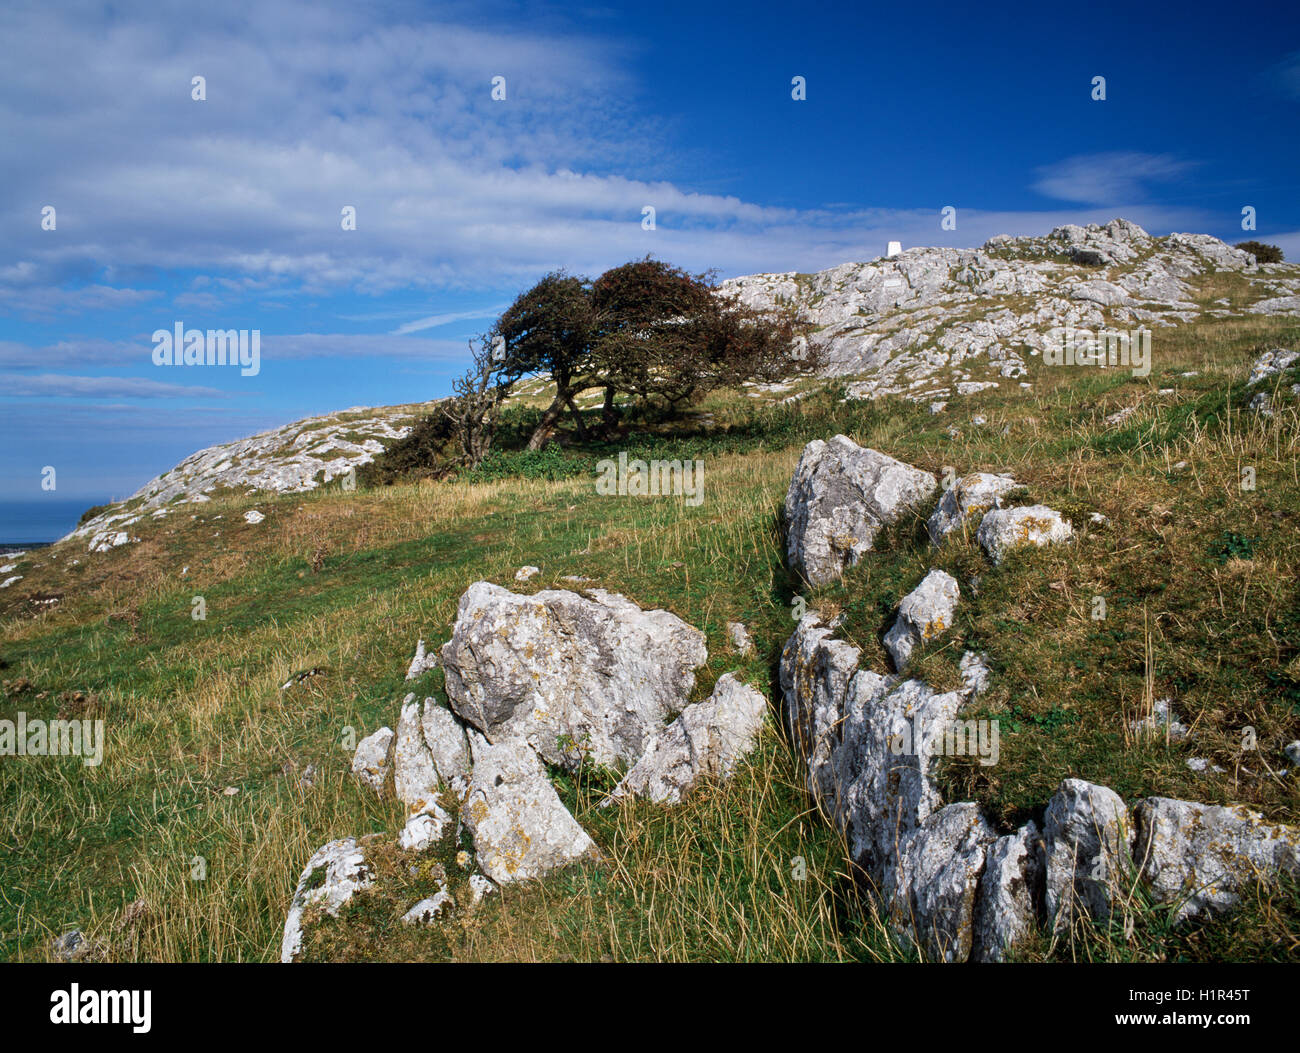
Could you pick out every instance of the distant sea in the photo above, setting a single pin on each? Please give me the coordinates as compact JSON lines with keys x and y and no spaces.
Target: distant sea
{"x":33,"y":522}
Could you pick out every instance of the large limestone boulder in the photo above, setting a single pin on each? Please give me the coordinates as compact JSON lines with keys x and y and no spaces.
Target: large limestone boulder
{"x":816,"y":670}
{"x":1200,"y":856}
{"x":344,"y":872}
{"x":1087,"y":839}
{"x":968,"y":498}
{"x":575,"y":676}
{"x":520,"y":827}
{"x":840,"y":497}
{"x":709,"y":739}
{"x":924,"y":614}
{"x":930,"y":886}
{"x":1004,"y":529}
{"x":1006,"y":908}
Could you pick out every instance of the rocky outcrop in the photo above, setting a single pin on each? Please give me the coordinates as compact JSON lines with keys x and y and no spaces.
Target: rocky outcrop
{"x":949,"y":885}
{"x":708,"y":739}
{"x":296,"y":457}
{"x":917,"y":323}
{"x":600,"y":660}
{"x":840,"y":497}
{"x":578,"y":677}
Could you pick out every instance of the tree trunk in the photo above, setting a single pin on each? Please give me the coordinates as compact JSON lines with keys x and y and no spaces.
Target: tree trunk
{"x":609,"y":413}
{"x":546,"y":426}
{"x":577,"y":418}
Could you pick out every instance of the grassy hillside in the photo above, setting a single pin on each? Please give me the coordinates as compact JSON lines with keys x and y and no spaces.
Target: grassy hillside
{"x":1199,"y":578}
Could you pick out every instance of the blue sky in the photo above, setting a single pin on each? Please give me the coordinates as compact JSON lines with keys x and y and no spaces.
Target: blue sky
{"x":225,"y":213}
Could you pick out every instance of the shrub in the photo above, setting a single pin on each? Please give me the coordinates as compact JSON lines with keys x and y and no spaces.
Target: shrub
{"x":1262,"y":253}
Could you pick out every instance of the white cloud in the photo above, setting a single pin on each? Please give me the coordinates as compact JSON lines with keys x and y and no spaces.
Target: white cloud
{"x":1111,"y":179}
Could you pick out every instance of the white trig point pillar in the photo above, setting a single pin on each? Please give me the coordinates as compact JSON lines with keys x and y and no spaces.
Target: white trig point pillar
{"x":895,"y":247}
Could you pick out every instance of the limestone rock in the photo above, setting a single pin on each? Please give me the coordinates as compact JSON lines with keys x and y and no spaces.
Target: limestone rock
{"x":1007,"y":905}
{"x":881,"y":766}
{"x":479,"y":886}
{"x":740,"y":638}
{"x":299,"y":456}
{"x":429,"y":909}
{"x":816,"y":670}
{"x":924,"y":614}
{"x":975,"y":673}
{"x":370,"y":761}
{"x":968,"y":498}
{"x":840,"y":497}
{"x":930,"y":887}
{"x":1200,"y":856}
{"x":421,"y":663}
{"x":346,"y":872}
{"x":1160,"y":722}
{"x":424,"y":829}
{"x":415,"y":779}
{"x":1271,"y":363}
{"x":1004,"y":529}
{"x":575,"y":676}
{"x":447,"y":744}
{"x":521,"y":828}
{"x":709,"y":738}
{"x":1087,"y":834}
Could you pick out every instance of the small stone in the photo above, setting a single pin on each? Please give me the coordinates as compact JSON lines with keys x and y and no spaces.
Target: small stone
{"x":253,"y":516}
{"x":424,"y":830}
{"x":741,"y":642}
{"x":428,"y":910}
{"x":370,"y":761}
{"x":527,"y":573}
{"x":422,"y":662}
{"x":924,"y":614}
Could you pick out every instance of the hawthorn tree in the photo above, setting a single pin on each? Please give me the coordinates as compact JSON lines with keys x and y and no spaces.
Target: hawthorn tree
{"x":647,"y":330}
{"x":664,"y":335}
{"x":548,"y":329}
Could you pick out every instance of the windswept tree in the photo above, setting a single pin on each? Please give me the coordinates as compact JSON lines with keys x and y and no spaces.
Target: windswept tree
{"x":664,"y":335}
{"x":548,"y":329}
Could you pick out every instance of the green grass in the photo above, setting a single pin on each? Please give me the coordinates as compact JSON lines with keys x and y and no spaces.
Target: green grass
{"x":1202,"y":606}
